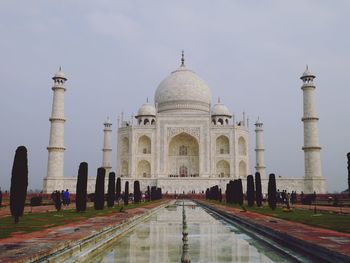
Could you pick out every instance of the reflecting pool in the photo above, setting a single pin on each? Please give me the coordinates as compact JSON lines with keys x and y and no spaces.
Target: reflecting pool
{"x":159,"y":239}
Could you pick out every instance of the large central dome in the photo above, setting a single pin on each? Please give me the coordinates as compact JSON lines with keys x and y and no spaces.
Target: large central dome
{"x":183,"y":90}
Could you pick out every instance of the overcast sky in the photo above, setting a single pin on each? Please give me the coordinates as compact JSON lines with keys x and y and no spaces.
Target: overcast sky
{"x":115,"y":53}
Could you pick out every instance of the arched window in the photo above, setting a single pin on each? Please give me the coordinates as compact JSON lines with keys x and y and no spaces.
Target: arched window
{"x":124,"y":169}
{"x":242,"y":169}
{"x":222,"y":145}
{"x":153,"y":121}
{"x":221,"y":121}
{"x":146,"y":121}
{"x":143,"y":169}
{"x":223,"y":168}
{"x":144,"y":145}
{"x":125,"y":146}
{"x":242,"y":146}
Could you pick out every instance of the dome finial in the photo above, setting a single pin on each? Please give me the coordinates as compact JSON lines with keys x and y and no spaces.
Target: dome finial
{"x":219,"y":100}
{"x":182,"y":58}
{"x":147,"y":99}
{"x":60,"y":68}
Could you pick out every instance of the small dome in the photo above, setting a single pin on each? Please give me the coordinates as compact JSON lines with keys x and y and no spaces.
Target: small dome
{"x":147,"y":109}
{"x":183,"y":90}
{"x":60,"y":75}
{"x":220,"y":109}
{"x":108,"y":121}
{"x":307,"y":73}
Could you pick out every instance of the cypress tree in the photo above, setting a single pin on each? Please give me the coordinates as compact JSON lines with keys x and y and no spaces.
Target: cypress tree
{"x":81,"y":191}
{"x":111,"y":190}
{"x":19,"y":183}
{"x":99,"y":200}
{"x":137,"y":192}
{"x":258,"y":191}
{"x":126,"y":193}
{"x":148,"y":193}
{"x":272,"y":192}
{"x":348,"y":155}
{"x":240,"y":192}
{"x":220,"y":196}
{"x":229,"y":197}
{"x":159,"y":193}
{"x":250,"y":190}
{"x":153,"y":193}
{"x":235,"y":189}
{"x":118,"y":189}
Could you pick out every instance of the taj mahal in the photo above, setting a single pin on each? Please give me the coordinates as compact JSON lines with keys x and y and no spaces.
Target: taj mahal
{"x":184,"y":142}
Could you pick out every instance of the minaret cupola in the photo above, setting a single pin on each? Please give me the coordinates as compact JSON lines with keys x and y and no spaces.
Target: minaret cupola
{"x":220,"y":114}
{"x":146,"y":115}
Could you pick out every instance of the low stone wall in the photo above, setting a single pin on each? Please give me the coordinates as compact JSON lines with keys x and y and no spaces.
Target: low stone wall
{"x":188,"y":184}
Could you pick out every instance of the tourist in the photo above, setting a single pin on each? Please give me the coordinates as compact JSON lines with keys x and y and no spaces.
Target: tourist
{"x":57,"y":200}
{"x":0,"y":198}
{"x":66,"y":198}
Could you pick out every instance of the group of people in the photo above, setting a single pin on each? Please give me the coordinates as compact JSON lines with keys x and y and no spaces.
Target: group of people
{"x":284,"y":197}
{"x":62,"y":197}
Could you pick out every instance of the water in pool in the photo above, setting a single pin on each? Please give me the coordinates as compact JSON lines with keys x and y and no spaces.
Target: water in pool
{"x":159,"y":239}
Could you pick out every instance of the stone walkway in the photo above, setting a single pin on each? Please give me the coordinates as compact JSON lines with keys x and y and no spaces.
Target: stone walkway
{"x":30,"y":246}
{"x":5,"y":211}
{"x":332,"y":240}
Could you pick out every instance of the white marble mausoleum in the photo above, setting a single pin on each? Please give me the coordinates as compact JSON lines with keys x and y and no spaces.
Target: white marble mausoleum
{"x":182,"y":142}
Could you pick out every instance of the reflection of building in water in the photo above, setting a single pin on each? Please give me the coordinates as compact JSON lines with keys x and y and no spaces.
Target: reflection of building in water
{"x":159,"y":240}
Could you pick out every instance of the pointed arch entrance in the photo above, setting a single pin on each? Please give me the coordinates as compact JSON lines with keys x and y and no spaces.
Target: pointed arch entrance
{"x":183,"y":156}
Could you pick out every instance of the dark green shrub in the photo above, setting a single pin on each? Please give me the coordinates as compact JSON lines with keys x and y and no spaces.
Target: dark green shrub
{"x":126,"y":193}
{"x":81,"y":191}
{"x":271,"y":192}
{"x":99,"y":197}
{"x":36,"y":201}
{"x":111,"y":190}
{"x":250,"y":190}
{"x":153,"y":193}
{"x":348,"y":155}
{"x":229,"y":192}
{"x":258,"y":191}
{"x":118,"y":189}
{"x":148,"y":193}
{"x":137,"y":192}
{"x":240,"y":192}
{"x":19,"y":183}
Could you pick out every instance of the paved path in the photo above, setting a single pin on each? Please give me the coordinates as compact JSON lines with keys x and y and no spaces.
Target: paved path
{"x":5,"y":211}
{"x":332,"y":240}
{"x":24,"y":247}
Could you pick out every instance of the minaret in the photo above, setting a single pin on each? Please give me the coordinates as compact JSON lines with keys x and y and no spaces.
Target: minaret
{"x":312,"y":159}
{"x":55,"y":165}
{"x":107,"y":147}
{"x":259,"y":149}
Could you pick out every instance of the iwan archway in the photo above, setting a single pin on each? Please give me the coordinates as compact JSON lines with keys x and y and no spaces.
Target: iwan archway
{"x":183,"y":156}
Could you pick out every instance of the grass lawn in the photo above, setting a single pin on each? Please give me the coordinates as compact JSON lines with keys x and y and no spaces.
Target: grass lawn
{"x":38,"y":221}
{"x":338,"y":222}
